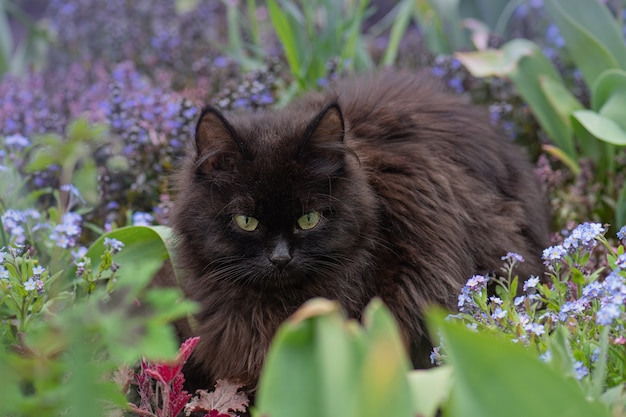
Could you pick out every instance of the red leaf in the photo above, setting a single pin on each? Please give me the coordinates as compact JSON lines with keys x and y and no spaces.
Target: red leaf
{"x":165,"y":372}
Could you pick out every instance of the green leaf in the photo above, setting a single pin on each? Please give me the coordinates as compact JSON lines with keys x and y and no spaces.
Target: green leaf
{"x":398,"y":29}
{"x":592,"y":36}
{"x":607,"y":84}
{"x":430,"y":389}
{"x":501,"y":62}
{"x":601,"y":127}
{"x":384,"y":387}
{"x":142,"y":244}
{"x":290,"y":37}
{"x":494,"y":377}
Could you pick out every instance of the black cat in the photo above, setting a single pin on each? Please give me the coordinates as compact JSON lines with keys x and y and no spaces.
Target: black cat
{"x":383,"y":186}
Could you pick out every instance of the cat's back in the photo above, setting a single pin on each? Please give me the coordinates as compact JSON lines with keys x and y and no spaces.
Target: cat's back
{"x":445,"y":175}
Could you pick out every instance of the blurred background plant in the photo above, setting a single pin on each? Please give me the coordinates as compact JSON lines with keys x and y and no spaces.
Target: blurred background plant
{"x":98,"y":102}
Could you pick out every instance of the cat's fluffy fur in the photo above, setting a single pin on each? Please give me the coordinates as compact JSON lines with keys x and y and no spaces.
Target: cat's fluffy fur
{"x":417,"y":193}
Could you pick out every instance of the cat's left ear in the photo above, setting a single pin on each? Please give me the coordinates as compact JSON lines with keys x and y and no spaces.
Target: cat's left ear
{"x":217,"y":143}
{"x":325,"y":132}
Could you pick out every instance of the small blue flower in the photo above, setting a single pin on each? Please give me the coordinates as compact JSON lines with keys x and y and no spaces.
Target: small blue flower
{"x":4,"y":273}
{"x":519,"y":300}
{"x":580,"y":370}
{"x":607,"y":314}
{"x":495,"y":300}
{"x":622,"y":233}
{"x":593,"y":290}
{"x":553,"y":254}
{"x":595,"y":355}
{"x":621,"y":261}
{"x":30,"y":284}
{"x":142,"y":219}
{"x":513,"y":257}
{"x":38,"y":270}
{"x":472,"y":326}
{"x":546,"y":356}
{"x":499,"y":314}
{"x":535,"y":328}
{"x":435,"y":356}
{"x":17,"y":140}
{"x":531,"y":283}
{"x":113,"y":245}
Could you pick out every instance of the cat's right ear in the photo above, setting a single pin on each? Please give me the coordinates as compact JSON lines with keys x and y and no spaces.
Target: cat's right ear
{"x":217,"y":143}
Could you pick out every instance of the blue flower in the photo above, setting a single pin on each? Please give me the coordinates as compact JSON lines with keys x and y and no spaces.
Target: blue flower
{"x":580,"y":370}
{"x":622,"y":233}
{"x":17,"y":140}
{"x":4,"y":273}
{"x":553,"y":254}
{"x":535,"y":328}
{"x":435,"y":356}
{"x":572,"y":309}
{"x":495,"y":300}
{"x":621,"y":261}
{"x":38,"y":270}
{"x":546,"y":356}
{"x":113,"y":245}
{"x":531,"y":283}
{"x":30,"y":284}
{"x":607,"y":314}
{"x":513,"y":257}
{"x":593,"y":290}
{"x":519,"y":300}
{"x":142,"y":219}
{"x":499,"y":314}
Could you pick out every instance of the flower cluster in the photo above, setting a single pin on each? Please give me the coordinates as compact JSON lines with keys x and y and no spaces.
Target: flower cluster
{"x":17,"y":222}
{"x":592,"y":308}
{"x":66,"y":234}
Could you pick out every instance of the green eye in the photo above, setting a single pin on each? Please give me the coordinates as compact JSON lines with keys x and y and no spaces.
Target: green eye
{"x":309,"y":220}
{"x":247,"y":223}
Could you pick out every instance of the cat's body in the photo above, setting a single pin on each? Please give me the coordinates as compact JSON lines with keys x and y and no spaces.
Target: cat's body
{"x":384,"y":186}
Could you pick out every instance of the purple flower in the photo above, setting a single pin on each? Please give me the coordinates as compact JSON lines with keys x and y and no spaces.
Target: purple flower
{"x":513,"y":257}
{"x":572,"y":309}
{"x":621,"y":261}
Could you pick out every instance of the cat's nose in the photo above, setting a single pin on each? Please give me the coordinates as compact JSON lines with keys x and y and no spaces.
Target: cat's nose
{"x":280,"y":256}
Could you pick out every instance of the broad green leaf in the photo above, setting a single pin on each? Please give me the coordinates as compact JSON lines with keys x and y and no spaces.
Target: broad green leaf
{"x":502,"y":62}
{"x":283,"y":391}
{"x":608,"y":83}
{"x":527,"y":76}
{"x":601,"y":127}
{"x":494,"y":377}
{"x":384,"y":386}
{"x":141,"y":244}
{"x":615,"y":108}
{"x":592,"y":36}
{"x":430,"y":389}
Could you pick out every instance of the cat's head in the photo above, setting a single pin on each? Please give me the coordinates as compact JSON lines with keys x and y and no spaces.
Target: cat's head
{"x":274,"y":200}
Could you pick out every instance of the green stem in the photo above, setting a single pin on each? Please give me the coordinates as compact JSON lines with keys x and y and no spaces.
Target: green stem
{"x":599,"y":373}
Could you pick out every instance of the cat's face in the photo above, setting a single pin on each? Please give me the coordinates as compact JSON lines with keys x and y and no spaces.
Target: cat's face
{"x":276,"y":201}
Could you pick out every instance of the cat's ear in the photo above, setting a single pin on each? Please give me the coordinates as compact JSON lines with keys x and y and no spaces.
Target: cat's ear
{"x":217,"y":143}
{"x":325,"y":131}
